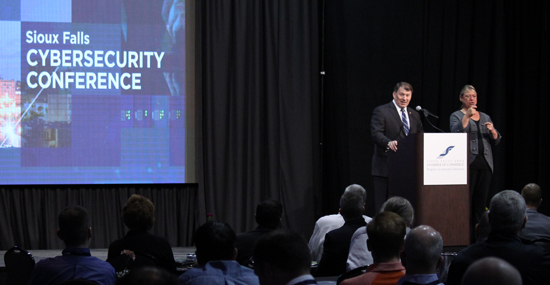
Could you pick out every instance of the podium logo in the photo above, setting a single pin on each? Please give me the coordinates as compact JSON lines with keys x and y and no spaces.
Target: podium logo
{"x":446,"y":151}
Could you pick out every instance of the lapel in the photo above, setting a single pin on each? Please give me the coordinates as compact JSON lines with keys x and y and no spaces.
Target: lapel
{"x":395,"y":114}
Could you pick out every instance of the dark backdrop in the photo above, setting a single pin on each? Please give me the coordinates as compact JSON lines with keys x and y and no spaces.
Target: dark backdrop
{"x":28,"y":214}
{"x":267,"y":129}
{"x":500,"y":47}
{"x":260,"y":110}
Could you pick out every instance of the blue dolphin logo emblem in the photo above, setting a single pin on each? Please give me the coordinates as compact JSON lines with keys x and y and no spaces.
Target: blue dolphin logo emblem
{"x":447,"y":151}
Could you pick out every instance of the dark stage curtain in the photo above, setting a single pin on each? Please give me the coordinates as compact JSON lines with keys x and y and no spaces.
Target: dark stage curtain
{"x":29,"y":213}
{"x":260,"y":110}
{"x":500,"y":47}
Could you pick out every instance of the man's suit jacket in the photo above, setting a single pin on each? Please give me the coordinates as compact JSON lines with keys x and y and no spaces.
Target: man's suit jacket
{"x":537,"y":226}
{"x":386,"y":126}
{"x":246,"y":241}
{"x":532,"y":262}
{"x":336,"y":248}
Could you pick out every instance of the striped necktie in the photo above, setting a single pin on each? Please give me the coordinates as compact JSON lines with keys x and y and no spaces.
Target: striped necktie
{"x":404,"y":119}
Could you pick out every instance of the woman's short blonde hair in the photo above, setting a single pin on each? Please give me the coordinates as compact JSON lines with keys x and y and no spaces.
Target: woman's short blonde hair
{"x":467,"y":88}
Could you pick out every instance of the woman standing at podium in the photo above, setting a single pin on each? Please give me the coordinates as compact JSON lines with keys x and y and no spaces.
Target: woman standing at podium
{"x":482,"y":135}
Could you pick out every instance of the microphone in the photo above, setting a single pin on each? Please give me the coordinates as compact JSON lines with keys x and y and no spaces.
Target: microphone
{"x":426,"y":112}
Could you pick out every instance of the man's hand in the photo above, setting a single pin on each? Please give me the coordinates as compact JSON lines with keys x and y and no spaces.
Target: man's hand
{"x":392,"y":145}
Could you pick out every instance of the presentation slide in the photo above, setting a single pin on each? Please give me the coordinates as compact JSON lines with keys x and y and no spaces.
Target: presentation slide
{"x":92,"y":92}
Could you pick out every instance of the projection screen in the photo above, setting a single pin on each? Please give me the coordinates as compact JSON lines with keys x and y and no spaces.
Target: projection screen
{"x":96,"y":92}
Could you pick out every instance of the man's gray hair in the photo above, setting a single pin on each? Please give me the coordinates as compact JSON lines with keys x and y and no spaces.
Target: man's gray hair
{"x":400,"y":206}
{"x":357,"y":189}
{"x":423,"y":246}
{"x":351,"y":205}
{"x":507,"y":212}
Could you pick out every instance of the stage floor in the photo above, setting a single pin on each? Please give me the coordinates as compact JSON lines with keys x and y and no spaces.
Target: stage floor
{"x":180,"y":253}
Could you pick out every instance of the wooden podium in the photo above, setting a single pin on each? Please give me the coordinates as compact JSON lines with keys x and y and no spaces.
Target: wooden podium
{"x":444,"y":207}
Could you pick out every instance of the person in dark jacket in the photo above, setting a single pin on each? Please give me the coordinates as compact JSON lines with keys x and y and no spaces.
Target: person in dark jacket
{"x":138,"y":215}
{"x":507,"y":218}
{"x":268,"y":217}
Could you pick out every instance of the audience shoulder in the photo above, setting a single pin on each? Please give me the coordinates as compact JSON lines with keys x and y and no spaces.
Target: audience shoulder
{"x":329,"y":219}
{"x":360,"y":231}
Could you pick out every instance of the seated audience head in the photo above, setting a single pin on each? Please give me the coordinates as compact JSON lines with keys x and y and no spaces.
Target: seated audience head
{"x":491,"y":271}
{"x":269,"y":213}
{"x":351,"y":205}
{"x":400,"y":206}
{"x":280,"y":256}
{"x":148,"y":276}
{"x":138,"y":213}
{"x":483,"y":228}
{"x":74,"y":226}
{"x":532,"y":195}
{"x":215,"y":241}
{"x":356,"y":188}
{"x":422,"y":251}
{"x":507,"y":212}
{"x":386,"y":234}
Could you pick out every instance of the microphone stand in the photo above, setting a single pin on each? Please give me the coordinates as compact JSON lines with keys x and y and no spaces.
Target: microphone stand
{"x":426,"y":115}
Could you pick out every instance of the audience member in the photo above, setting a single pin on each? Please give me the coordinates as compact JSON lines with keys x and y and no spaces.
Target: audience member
{"x":359,"y":255}
{"x":483,"y":228}
{"x":138,"y":215}
{"x":507,"y":218}
{"x":148,"y":276}
{"x":491,"y":271}
{"x":538,"y":225}
{"x":421,"y":256}
{"x":282,"y":257}
{"x":328,"y":223}
{"x":386,"y":236}
{"x":268,"y":217}
{"x":216,"y":253}
{"x":336,"y":245}
{"x":76,"y":261}
{"x":402,"y":207}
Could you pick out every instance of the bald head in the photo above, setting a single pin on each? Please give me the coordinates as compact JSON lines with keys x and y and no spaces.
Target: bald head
{"x":422,"y":250}
{"x":491,"y":271}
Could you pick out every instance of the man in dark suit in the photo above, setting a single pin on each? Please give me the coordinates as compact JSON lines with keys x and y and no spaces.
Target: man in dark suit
{"x":538,"y":225}
{"x":390,"y":123}
{"x":337,"y":242}
{"x":282,"y":257}
{"x":507,"y":219}
{"x":268,"y":216}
